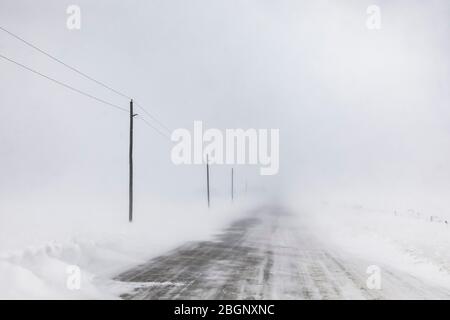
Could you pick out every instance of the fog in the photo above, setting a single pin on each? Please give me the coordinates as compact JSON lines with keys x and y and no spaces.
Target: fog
{"x":363,"y":114}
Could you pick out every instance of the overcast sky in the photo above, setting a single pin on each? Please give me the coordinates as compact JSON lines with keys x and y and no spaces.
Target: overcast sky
{"x":362,"y":113}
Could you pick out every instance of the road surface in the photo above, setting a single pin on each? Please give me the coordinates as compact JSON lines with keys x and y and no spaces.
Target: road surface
{"x":267,"y":255}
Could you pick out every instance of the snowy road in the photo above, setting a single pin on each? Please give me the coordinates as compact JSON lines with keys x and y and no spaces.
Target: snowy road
{"x":267,"y":255}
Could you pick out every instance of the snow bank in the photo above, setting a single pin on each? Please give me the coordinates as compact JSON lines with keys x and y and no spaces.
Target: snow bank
{"x":37,"y":254}
{"x":402,"y":239}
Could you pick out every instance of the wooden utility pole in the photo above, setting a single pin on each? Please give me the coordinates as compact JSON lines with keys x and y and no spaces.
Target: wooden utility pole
{"x":232,"y":184}
{"x":207,"y":179}
{"x":130,"y":190}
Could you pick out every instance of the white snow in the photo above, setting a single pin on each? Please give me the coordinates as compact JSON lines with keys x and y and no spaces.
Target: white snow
{"x":401,"y":239}
{"x":36,"y":252}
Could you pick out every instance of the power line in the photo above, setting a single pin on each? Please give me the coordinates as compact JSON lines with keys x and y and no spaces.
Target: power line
{"x":154,"y":128}
{"x":65,"y":64}
{"x":94,"y":98}
{"x":84,"y":75}
{"x":64,"y":84}
{"x":152,"y":117}
{"x":83,"y":93}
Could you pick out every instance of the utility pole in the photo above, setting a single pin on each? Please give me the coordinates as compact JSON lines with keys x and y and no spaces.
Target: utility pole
{"x":232,"y":184}
{"x":130,"y":190}
{"x":207,"y":178}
